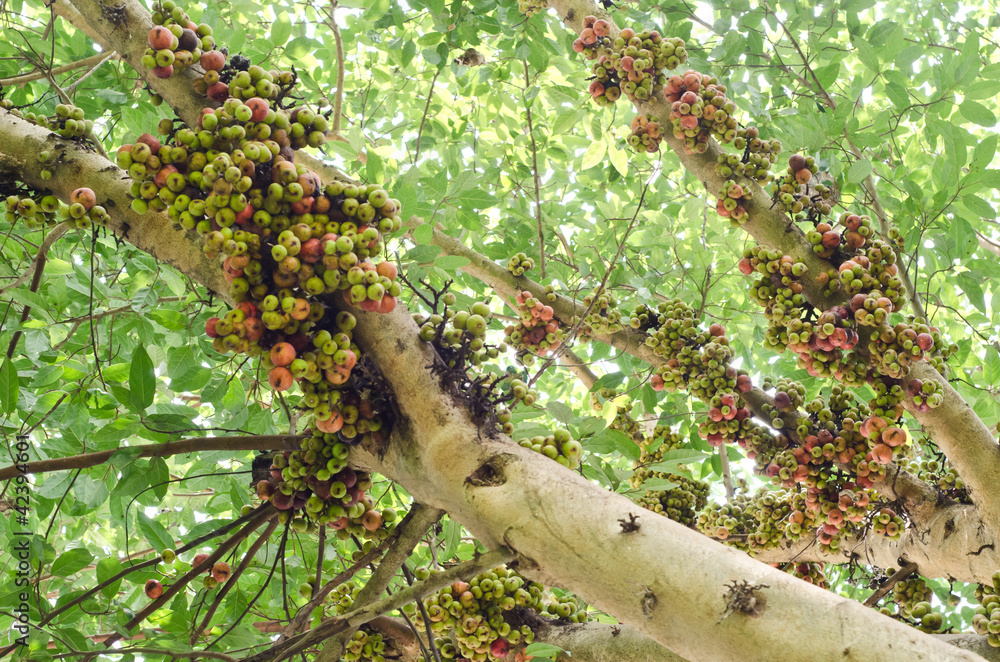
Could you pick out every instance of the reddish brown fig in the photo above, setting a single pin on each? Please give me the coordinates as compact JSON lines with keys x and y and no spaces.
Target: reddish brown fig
{"x":154,"y":589}
{"x":84,"y":196}
{"x":221,"y":572}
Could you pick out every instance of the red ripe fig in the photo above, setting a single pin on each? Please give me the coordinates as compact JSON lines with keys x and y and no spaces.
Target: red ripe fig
{"x":894,"y":437}
{"x":160,"y":38}
{"x":280,"y":379}
{"x":387,"y":269}
{"x":831,"y":239}
{"x":330,"y":425}
{"x":199,"y":559}
{"x":371,"y":520}
{"x":221,"y":572}
{"x":210,"y":327}
{"x":213,"y":61}
{"x":282,"y":354}
{"x":154,"y":589}
{"x":388,"y":304}
{"x":500,"y":648}
{"x":152,"y":141}
{"x":259,"y":107}
{"x":311,"y":251}
{"x":161,"y":177}
{"x":84,"y":196}
{"x":281,"y":501}
{"x":882,"y":453}
{"x":253,"y":328}
{"x":218,"y":92}
{"x":164,"y":72}
{"x":348,"y":477}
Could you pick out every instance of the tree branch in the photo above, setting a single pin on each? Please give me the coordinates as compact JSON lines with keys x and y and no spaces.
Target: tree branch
{"x":97,"y":59}
{"x":955,"y":427}
{"x":410,"y":531}
{"x":506,"y":494}
{"x":255,"y":443}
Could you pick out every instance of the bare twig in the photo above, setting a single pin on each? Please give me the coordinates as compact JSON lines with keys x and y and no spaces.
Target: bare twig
{"x":534,"y":169}
{"x":338,"y":100}
{"x":240,"y":569}
{"x":93,"y":60}
{"x":36,"y":277}
{"x":887,"y":585}
{"x":423,"y":118}
{"x":246,"y":443}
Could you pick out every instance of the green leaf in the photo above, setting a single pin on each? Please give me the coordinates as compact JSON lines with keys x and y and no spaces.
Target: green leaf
{"x":142,"y":379}
{"x":107,"y":568}
{"x":423,"y":253}
{"x":560,"y":412}
{"x":281,"y":29}
{"x":549,"y":651}
{"x":71,"y":562}
{"x":973,"y":290}
{"x":978,"y":206}
{"x":451,"y":262}
{"x":9,"y":386}
{"x":977,"y":113}
{"x":594,"y":154}
{"x":154,"y":532}
{"x":859,"y":170}
{"x":169,"y":319}
{"x":866,"y":53}
{"x":982,"y":89}
{"x":658,"y":484}
{"x":618,"y":159}
{"x":680,"y":456}
{"x":477,"y":199}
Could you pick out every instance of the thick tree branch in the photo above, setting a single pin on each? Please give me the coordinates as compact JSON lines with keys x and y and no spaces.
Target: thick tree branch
{"x":410,"y":531}
{"x":956,"y":429}
{"x":917,"y":494}
{"x":505,"y":494}
{"x":72,"y":167}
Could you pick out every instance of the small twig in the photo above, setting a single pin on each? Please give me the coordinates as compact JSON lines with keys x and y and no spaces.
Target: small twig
{"x":258,"y":517}
{"x":423,"y":118}
{"x":97,"y":59}
{"x":35,"y":272}
{"x":76,"y":83}
{"x":534,"y":165}
{"x":240,"y":569}
{"x":727,"y":477}
{"x":887,"y":585}
{"x":406,"y":536}
{"x":358,"y":617}
{"x":338,"y":100}
{"x":425,"y":616}
{"x":168,"y":449}
{"x":186,"y":655}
